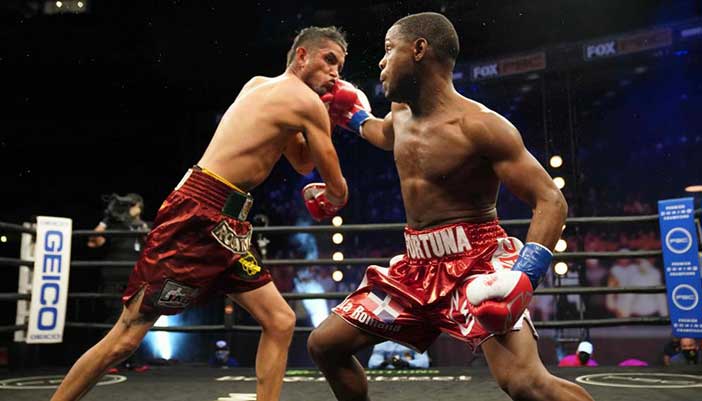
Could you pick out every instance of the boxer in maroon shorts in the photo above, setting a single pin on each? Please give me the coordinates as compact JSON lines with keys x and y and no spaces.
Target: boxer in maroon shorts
{"x":221,"y":261}
{"x":460,"y":273}
{"x":200,"y":245}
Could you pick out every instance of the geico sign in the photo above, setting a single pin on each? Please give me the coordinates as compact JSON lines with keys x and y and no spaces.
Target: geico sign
{"x":50,"y":289}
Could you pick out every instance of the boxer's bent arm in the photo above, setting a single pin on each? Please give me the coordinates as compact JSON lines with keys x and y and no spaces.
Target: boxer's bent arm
{"x":317,"y":131}
{"x":526,"y":178}
{"x":379,"y":132}
{"x":298,"y":154}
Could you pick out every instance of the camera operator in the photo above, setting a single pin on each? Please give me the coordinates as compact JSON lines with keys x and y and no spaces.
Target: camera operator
{"x":121,"y":213}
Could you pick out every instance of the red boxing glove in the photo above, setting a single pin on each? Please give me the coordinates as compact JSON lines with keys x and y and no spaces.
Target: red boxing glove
{"x":499,"y":299}
{"x":348,"y":106}
{"x":317,"y":202}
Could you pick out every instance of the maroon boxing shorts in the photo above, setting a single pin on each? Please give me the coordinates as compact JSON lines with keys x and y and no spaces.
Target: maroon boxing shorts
{"x":200,"y":247}
{"x":423,"y":292}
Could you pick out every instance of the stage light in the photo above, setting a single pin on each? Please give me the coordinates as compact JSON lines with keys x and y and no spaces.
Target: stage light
{"x":338,"y":256}
{"x":337,"y":221}
{"x":80,"y":4}
{"x":561,"y":245}
{"x":560,"y":182}
{"x":338,"y":238}
{"x":556,"y":161}
{"x":338,"y":275}
{"x":561,"y":268}
{"x":59,"y":4}
{"x":162,"y":341}
{"x":3,"y":238}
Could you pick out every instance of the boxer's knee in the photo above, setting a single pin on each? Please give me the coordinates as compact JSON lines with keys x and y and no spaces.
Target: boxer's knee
{"x":322,"y":344}
{"x":523,"y":385}
{"x":280,"y":323}
{"x":317,"y":345}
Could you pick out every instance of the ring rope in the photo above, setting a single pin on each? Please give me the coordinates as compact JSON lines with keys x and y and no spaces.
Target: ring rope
{"x":349,"y":261}
{"x":628,"y":321}
{"x":363,"y":227}
{"x":657,"y":289}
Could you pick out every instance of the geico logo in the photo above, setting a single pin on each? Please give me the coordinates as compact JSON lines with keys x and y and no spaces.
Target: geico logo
{"x":482,"y":71}
{"x":50,"y":290}
{"x":602,"y":49}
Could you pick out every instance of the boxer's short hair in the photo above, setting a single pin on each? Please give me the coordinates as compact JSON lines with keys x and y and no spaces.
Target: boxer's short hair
{"x":314,"y":36}
{"x":436,"y":29}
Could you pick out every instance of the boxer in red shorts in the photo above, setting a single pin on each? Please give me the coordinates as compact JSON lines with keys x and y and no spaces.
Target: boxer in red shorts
{"x":200,"y":245}
{"x":460,"y":274}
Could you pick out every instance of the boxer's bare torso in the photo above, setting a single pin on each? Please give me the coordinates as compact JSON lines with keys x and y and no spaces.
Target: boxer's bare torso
{"x":266,"y":116}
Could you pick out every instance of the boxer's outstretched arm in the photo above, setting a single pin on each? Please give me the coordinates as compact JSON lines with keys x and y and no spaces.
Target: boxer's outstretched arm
{"x":379,"y":132}
{"x":522,"y":174}
{"x":317,"y":130}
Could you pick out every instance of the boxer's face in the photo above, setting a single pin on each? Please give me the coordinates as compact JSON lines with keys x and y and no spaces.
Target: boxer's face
{"x":397,"y":66}
{"x":322,"y":65}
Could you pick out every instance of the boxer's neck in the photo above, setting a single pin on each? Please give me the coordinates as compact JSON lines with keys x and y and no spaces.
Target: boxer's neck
{"x":434,"y":92}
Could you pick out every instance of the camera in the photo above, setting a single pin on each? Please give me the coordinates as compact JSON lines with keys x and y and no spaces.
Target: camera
{"x":118,"y":206}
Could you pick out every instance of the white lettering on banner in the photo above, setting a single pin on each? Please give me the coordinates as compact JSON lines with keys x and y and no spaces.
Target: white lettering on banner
{"x":485,"y":71}
{"x":52,"y":256}
{"x":600,"y":50}
{"x":443,"y":242}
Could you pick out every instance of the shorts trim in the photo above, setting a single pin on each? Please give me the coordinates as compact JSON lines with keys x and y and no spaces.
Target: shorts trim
{"x":525,"y":317}
{"x":363,"y":329}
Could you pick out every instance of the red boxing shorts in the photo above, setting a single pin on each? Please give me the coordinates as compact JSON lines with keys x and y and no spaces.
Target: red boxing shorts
{"x":200,"y":246}
{"x":423,"y":292}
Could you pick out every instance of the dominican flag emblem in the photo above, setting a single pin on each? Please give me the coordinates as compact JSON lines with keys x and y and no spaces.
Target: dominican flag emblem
{"x":382,"y":306}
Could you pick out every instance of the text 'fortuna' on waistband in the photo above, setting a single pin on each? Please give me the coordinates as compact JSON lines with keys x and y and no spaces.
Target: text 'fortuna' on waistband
{"x":447,"y":241}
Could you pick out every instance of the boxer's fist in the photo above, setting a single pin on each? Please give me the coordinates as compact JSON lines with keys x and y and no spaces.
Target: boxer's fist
{"x":348,"y":106}
{"x":317,"y":203}
{"x":497,"y":300}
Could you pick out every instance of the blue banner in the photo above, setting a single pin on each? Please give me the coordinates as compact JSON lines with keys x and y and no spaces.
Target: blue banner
{"x":682,"y":266}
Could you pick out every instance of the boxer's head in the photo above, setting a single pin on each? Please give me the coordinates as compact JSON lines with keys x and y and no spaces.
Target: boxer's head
{"x":317,"y":56}
{"x":425,"y":39}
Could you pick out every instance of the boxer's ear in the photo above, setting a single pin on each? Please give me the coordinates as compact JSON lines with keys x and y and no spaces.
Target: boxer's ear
{"x":419,"y":48}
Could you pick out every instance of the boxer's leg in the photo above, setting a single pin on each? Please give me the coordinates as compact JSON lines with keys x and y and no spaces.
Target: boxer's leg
{"x":332,"y":346}
{"x":122,"y":340}
{"x":270,"y":310}
{"x":514,"y":361}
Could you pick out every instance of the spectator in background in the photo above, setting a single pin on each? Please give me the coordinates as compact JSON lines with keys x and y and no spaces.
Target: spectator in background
{"x":582,"y":357}
{"x":670,"y":349}
{"x":222,"y":357}
{"x":391,"y":355}
{"x":635,"y":273}
{"x":689,"y":353}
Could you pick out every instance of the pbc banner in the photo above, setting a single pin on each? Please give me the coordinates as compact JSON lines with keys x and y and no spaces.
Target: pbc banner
{"x":52,"y":257}
{"x":682,"y":266}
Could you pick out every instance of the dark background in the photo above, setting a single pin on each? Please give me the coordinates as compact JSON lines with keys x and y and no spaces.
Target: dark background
{"x":125,"y":97}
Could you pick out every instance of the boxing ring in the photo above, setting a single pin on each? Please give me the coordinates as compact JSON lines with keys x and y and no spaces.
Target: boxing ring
{"x":204,"y":383}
